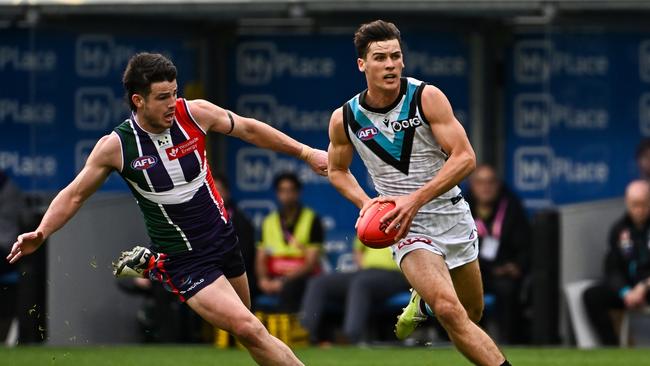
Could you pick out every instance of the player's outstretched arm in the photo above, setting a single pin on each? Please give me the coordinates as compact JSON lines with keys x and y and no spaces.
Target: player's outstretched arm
{"x":339,"y":157}
{"x":102,"y":160}
{"x":216,"y":119}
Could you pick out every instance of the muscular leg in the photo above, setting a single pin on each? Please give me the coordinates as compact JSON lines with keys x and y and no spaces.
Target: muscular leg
{"x":469,"y":287}
{"x":429,"y":276}
{"x":240,"y":284}
{"x":219,"y":304}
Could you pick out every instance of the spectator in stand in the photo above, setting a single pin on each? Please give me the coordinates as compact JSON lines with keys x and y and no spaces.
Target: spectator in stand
{"x":356,"y":293}
{"x":289,"y":250}
{"x":504,"y":247}
{"x":627,"y":266}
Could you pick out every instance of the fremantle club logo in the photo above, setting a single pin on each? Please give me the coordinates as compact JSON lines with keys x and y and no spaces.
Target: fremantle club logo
{"x":144,"y":162}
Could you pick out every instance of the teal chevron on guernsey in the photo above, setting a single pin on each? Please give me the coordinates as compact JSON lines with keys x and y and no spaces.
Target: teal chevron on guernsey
{"x":397,"y":146}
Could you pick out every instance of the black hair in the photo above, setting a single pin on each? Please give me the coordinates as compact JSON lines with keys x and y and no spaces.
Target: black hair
{"x":292,"y":177}
{"x":142,"y":70}
{"x":376,"y":31}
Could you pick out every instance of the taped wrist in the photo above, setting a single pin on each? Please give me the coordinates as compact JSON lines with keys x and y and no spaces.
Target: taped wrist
{"x":306,"y":152}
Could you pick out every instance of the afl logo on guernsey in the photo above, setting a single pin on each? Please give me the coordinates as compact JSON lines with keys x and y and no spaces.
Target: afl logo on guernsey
{"x":144,"y":162}
{"x":367,"y":133}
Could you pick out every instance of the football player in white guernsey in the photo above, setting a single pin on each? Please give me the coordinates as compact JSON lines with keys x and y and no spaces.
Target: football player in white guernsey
{"x":416,"y":153}
{"x":224,"y":302}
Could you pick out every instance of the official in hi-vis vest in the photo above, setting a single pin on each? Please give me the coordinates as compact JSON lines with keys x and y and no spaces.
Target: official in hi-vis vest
{"x":289,"y":250}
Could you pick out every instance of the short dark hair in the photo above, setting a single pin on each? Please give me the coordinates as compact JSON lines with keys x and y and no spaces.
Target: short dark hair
{"x":376,"y":31}
{"x":142,"y":70}
{"x":643,"y":146}
{"x":292,"y":177}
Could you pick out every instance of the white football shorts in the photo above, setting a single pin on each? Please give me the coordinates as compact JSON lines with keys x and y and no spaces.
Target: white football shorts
{"x":458,"y":245}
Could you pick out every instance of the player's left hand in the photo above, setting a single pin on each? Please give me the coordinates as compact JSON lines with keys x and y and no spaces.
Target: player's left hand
{"x":317,"y":160}
{"x":401,"y":217}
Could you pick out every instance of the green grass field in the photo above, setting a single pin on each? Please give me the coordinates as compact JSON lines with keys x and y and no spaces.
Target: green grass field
{"x":338,"y":356}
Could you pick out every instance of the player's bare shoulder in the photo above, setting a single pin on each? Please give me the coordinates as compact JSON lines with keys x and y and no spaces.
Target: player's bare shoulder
{"x":107,"y":152}
{"x":201,"y":110}
{"x":336,"y":128}
{"x":435,"y":105}
{"x":337,"y":116}
{"x":209,"y":116}
{"x":199,"y":107}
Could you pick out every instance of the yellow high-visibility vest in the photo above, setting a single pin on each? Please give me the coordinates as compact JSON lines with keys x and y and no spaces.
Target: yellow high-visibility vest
{"x":273,"y":238}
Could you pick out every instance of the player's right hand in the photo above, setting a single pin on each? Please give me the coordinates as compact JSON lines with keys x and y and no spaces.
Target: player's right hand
{"x":26,"y":244}
{"x":318,"y":161}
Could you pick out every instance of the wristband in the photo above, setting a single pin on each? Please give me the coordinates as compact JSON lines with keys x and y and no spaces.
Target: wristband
{"x":305,"y":152}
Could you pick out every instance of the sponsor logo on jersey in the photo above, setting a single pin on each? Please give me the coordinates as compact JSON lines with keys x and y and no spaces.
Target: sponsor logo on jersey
{"x":185,"y":281}
{"x":180,"y":150}
{"x":367,"y":133}
{"x":144,"y":162}
{"x":413,"y":240}
{"x":404,"y":124}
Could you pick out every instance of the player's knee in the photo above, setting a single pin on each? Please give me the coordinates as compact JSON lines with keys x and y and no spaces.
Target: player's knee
{"x":449,"y":311}
{"x":248,"y":331}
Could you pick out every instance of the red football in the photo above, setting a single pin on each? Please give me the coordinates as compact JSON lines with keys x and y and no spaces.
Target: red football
{"x":370,"y":231}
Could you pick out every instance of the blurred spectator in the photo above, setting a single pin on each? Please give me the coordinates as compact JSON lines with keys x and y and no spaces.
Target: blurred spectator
{"x":627,"y":265}
{"x":11,"y":219}
{"x":643,"y":158}
{"x":504,"y":239}
{"x":289,"y":251}
{"x":244,"y":229}
{"x":357,"y":293}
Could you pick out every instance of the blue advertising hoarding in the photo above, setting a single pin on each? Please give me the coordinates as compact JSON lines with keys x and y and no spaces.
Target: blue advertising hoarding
{"x":61,"y":91}
{"x":294,"y":83}
{"x":577,"y":105}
